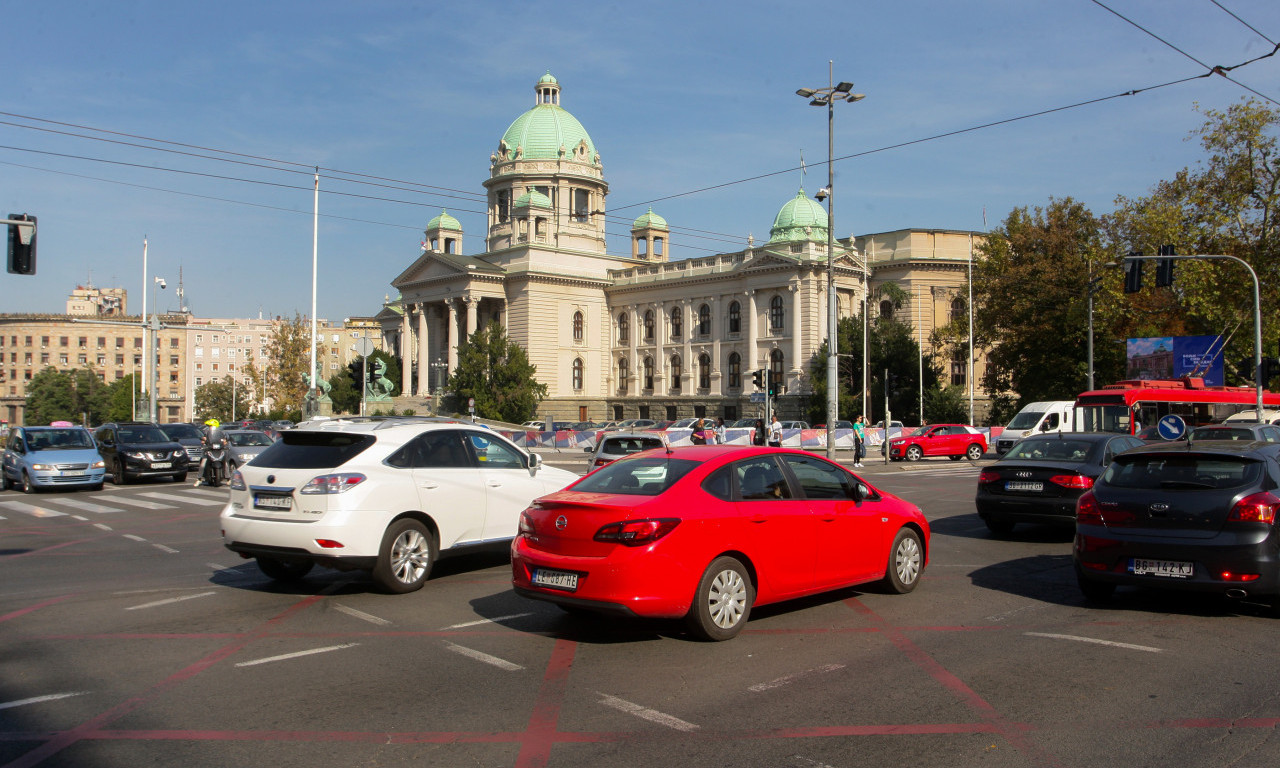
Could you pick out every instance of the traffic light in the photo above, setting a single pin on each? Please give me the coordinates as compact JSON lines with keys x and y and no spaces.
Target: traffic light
{"x":1164,"y":267}
{"x":774,"y":384}
{"x":757,"y":377}
{"x":1270,"y":369}
{"x":22,"y":245}
{"x":1133,"y":274}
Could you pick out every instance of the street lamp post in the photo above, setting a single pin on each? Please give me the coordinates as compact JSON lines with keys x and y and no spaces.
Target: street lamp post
{"x":151,"y":365}
{"x":827,"y":97}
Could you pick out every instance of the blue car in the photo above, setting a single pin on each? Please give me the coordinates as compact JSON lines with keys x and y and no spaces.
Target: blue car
{"x":36,"y":458}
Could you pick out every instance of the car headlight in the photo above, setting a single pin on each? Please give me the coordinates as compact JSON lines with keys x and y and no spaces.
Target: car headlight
{"x":179,"y":452}
{"x":42,"y":467}
{"x":132,"y":454}
{"x":99,"y":464}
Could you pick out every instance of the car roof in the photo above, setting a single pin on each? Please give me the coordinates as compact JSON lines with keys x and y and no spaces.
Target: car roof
{"x":1096,"y":437}
{"x":1256,"y":447}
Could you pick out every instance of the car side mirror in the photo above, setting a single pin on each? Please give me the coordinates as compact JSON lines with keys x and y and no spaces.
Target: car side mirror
{"x":861,"y":491}
{"x":535,"y":461}
{"x":588,"y":450}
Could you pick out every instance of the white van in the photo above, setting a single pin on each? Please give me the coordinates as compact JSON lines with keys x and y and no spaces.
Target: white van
{"x":1250,"y":416}
{"x":1034,"y":418}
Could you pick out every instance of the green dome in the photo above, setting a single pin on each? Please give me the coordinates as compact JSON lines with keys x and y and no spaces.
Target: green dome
{"x":444,"y":221}
{"x":548,"y":78}
{"x":796,"y":215}
{"x":542,"y":131}
{"x":533,"y":198}
{"x":650,"y":220}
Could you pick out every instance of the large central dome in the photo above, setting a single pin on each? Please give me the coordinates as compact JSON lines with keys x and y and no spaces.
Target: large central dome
{"x":547,"y":129}
{"x":799,"y":219}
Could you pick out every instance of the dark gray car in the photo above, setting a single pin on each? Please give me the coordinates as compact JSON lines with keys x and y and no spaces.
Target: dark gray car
{"x":615,"y":445}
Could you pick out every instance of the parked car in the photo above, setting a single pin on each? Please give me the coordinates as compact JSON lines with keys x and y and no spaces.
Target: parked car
{"x":617,"y":445}
{"x":1198,"y":517}
{"x":36,"y":458}
{"x":245,"y":445}
{"x":841,"y":424}
{"x":189,"y":436}
{"x":282,"y":424}
{"x":584,"y":426}
{"x":137,"y":449}
{"x":795,"y":425}
{"x":742,"y":424}
{"x":387,"y":497}
{"x":1237,"y":430}
{"x":708,"y":532}
{"x":957,"y":441}
{"x":683,"y":423}
{"x":1039,"y":479}
{"x":636,"y":424}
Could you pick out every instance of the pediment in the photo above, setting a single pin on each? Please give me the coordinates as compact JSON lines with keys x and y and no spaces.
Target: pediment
{"x":432,"y":266}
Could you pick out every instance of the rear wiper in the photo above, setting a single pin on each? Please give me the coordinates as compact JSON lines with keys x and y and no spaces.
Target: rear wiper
{"x":1192,"y":484}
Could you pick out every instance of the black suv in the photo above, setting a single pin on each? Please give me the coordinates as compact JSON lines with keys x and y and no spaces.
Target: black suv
{"x":189,"y":435}
{"x":134,"y":449}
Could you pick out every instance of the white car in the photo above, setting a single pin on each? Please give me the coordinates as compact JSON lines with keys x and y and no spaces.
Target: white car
{"x":387,"y":497}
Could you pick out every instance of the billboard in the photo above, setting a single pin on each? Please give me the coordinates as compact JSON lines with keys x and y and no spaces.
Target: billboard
{"x":1172,"y":357}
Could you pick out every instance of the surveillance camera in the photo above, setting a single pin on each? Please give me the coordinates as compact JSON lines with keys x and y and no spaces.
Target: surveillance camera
{"x":162,"y":284}
{"x":823,"y":194}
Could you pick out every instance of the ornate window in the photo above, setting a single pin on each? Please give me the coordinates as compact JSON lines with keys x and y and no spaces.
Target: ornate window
{"x":623,"y":375}
{"x":735,"y":317}
{"x":677,"y":373}
{"x":677,"y":322}
{"x":735,"y":371}
{"x":775,"y":313}
{"x":704,"y":371}
{"x":957,"y":309}
{"x":648,"y":373}
{"x":648,"y":325}
{"x":704,"y":320}
{"x":959,"y":365}
{"x":775,"y":366}
{"x":577,"y":374}
{"x":886,"y":310}
{"x":624,"y":328}
{"x":577,"y":327}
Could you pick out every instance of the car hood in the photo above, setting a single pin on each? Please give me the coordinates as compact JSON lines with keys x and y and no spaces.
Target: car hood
{"x":151,"y":447}
{"x":64,"y":456}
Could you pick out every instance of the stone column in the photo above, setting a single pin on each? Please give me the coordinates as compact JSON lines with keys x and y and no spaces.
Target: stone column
{"x":686,"y":354}
{"x":406,"y":350}
{"x":473,"y":310}
{"x":659,"y":312}
{"x":717,"y":331}
{"x":634,"y":322}
{"x":751,"y":358}
{"x":424,"y":353}
{"x":451,"y":335}
{"x":796,"y":329}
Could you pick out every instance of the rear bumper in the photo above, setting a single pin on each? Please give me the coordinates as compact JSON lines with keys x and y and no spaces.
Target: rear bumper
{"x":341,"y":563}
{"x":1025,"y":509}
{"x":1100,"y":557}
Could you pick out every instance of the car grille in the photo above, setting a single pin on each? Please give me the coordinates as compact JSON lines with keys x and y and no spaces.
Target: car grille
{"x":72,"y":467}
{"x":194,"y":452}
{"x":157,"y":455}
{"x":1004,"y":445}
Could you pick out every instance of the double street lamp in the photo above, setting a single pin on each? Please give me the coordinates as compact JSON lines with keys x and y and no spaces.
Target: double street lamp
{"x":827,"y":97}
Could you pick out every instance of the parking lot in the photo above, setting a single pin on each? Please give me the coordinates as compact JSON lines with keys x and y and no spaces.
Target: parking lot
{"x":130,"y":636}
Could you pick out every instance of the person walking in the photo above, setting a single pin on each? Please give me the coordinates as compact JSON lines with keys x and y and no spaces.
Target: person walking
{"x":757,"y":435}
{"x":859,"y":440}
{"x":719,"y":431}
{"x":775,"y":432}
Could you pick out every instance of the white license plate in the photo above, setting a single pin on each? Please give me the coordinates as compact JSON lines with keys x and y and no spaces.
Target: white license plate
{"x":555,"y":579}
{"x":1172,"y":569}
{"x":1023,"y":485}
{"x":273,"y":502}
{"x":161,"y":465}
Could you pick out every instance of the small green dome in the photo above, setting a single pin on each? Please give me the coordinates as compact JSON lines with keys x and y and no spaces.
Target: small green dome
{"x":540,"y":133}
{"x":548,"y":78}
{"x":444,"y":221}
{"x":650,"y":220}
{"x":798,"y":214}
{"x":533,"y":198}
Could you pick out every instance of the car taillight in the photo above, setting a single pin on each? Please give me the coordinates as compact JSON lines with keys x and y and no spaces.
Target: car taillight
{"x":237,"y":481}
{"x":988,"y":476}
{"x":601,"y":461}
{"x":633,"y":533}
{"x":1087,"y":511}
{"x":336,"y":483}
{"x":1255,"y":508}
{"x":526,"y":524}
{"x":1072,"y":481}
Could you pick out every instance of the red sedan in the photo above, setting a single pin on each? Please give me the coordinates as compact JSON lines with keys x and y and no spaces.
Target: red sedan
{"x":958,"y":441}
{"x":706,"y":532}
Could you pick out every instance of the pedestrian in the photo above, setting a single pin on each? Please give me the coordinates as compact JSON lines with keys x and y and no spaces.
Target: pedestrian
{"x":757,"y":434}
{"x":719,"y":432}
{"x":699,"y":435}
{"x":775,"y":432}
{"x":859,"y":440}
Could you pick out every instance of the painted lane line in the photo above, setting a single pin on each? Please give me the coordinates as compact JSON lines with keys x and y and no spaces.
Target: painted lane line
{"x":73,"y":517}
{"x":644,"y":713}
{"x":40,"y":699}
{"x":103,"y":526}
{"x":168,"y":601}
{"x":223,"y":494}
{"x":1096,"y":641}
{"x":184,"y":499}
{"x":134,"y":538}
{"x":89,"y":506}
{"x":296,"y":655}
{"x":31,"y":509}
{"x":788,"y":679}
{"x":484,"y":657}
{"x":494,"y":620}
{"x":163,"y":548}
{"x":362,"y":615}
{"x":142,"y":503}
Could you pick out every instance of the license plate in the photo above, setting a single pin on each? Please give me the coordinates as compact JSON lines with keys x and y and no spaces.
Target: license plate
{"x":273,"y":502}
{"x":161,"y":465}
{"x":1023,"y":485}
{"x":556,"y":579}
{"x":1171,"y":569}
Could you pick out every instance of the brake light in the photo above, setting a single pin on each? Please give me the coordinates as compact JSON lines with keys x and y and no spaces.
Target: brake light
{"x":335,"y":483}
{"x":988,"y":476}
{"x":237,"y":481}
{"x":1255,"y":508}
{"x":1072,"y":481}
{"x":1087,"y":511}
{"x":526,"y":524}
{"x":1229,"y":576}
{"x":330,"y":544}
{"x":633,"y":533}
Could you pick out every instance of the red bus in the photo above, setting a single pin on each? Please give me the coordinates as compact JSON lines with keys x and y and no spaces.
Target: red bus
{"x":1128,"y":406}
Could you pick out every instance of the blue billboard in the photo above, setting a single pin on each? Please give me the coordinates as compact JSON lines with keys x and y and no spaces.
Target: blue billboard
{"x":1172,"y":357}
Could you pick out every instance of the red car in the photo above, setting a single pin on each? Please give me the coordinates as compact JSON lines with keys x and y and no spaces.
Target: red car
{"x":958,"y":441}
{"x":707,"y":532}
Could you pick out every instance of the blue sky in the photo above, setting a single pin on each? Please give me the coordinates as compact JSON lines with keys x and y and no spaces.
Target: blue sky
{"x":677,"y":97}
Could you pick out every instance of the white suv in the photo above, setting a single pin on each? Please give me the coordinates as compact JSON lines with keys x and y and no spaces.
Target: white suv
{"x":386,"y":497}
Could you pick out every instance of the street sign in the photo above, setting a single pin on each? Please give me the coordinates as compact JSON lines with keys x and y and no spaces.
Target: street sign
{"x":1171,"y":427}
{"x":364,"y":347}
{"x":757,"y":397}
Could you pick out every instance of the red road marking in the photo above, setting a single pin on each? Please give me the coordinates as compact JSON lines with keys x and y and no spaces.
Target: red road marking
{"x":36,"y":607}
{"x":539,"y":737}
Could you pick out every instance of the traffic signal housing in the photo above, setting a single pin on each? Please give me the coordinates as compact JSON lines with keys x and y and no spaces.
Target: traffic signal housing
{"x":1164,"y":267}
{"x":757,"y":378}
{"x":1132,"y":275}
{"x":773,"y":383}
{"x":22,"y":245}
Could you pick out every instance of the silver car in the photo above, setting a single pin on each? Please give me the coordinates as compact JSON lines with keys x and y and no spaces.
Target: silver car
{"x":616,"y":445}
{"x":245,"y":444}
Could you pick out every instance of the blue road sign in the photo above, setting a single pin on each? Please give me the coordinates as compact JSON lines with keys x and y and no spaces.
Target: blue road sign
{"x":1171,"y":427}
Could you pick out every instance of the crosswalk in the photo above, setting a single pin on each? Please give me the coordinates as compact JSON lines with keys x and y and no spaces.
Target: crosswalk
{"x":109,"y":502}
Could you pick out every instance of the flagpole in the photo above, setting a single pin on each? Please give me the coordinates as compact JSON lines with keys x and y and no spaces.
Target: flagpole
{"x":315,"y":246}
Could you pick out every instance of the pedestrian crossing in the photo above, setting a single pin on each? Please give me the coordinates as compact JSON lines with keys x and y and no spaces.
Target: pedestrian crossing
{"x":109,"y":503}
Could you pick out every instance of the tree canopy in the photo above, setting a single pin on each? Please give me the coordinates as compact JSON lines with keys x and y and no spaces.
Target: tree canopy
{"x":497,"y":373}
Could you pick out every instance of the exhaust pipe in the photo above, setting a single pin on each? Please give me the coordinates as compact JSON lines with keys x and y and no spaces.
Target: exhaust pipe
{"x":1237,"y":593}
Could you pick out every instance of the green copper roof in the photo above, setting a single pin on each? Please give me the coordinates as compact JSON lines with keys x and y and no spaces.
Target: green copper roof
{"x":548,"y":78}
{"x":543,"y":130}
{"x":533,"y":198}
{"x":796,"y":215}
{"x":650,"y":220}
{"x":444,"y":221}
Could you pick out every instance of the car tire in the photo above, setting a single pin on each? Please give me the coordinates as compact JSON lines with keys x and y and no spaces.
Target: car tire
{"x":974,"y":453}
{"x":26,"y":486}
{"x":284,"y":570}
{"x":722,"y":604}
{"x":914,"y":453}
{"x":404,"y":561}
{"x":118,"y":476}
{"x":906,"y":562}
{"x":180,"y":477}
{"x":999,"y":527}
{"x":1098,"y":592}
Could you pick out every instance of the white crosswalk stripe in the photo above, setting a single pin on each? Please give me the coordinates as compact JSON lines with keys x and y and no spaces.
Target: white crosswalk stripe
{"x":31,"y":509}
{"x":89,"y":506}
{"x":143,"y":503}
{"x":185,"y":499}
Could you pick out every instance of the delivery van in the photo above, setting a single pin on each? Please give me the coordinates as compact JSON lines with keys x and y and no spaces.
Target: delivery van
{"x":1269,"y":416}
{"x":1036,"y":418}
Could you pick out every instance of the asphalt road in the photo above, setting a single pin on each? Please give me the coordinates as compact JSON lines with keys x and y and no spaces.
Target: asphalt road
{"x":129,"y":636}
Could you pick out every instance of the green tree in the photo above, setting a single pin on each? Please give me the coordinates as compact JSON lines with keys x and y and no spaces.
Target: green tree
{"x":91,"y":396}
{"x":214,"y":399}
{"x":343,"y":393}
{"x":50,"y":397}
{"x":286,"y":358}
{"x":120,"y":399}
{"x":497,"y":373}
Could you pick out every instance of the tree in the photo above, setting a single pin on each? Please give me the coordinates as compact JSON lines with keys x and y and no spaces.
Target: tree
{"x":343,"y":393}
{"x":497,"y":373}
{"x":91,"y":395}
{"x":287,"y":357}
{"x":120,"y":400}
{"x":50,"y":398}
{"x":214,"y":400}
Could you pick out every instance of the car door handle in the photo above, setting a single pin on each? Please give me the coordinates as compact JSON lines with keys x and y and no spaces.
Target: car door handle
{"x":494,"y":483}
{"x":757,"y":519}
{"x":429,"y":486}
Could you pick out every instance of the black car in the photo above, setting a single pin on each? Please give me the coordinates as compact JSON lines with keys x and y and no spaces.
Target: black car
{"x":189,"y":435}
{"x":1197,"y":517}
{"x":134,"y":449}
{"x":1039,"y":479}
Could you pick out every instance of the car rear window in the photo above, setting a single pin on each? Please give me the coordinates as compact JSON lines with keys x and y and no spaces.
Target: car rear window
{"x":636,"y":477}
{"x":629,"y":445}
{"x":313,"y":450}
{"x":1187,"y":471}
{"x":1051,"y":449}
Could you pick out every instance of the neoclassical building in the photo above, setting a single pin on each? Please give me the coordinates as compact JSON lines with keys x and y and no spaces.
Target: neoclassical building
{"x":645,"y":334}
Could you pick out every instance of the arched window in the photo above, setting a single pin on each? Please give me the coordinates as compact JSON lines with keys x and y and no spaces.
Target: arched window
{"x":648,"y":373}
{"x":677,"y":322}
{"x":676,"y":373}
{"x":959,"y":366}
{"x":775,"y":366}
{"x":622,"y":375}
{"x":577,"y":327}
{"x":957,"y":309}
{"x":648,"y":325}
{"x":704,"y":320}
{"x":624,"y":328}
{"x":735,"y":371}
{"x":775,"y":313}
{"x":886,"y":310}
{"x":704,"y":372}
{"x":735,"y":317}
{"x":577,"y":373}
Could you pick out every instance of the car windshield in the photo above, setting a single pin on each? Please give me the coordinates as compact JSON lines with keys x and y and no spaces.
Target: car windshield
{"x":143,"y":434}
{"x":1025,"y":420}
{"x":1219,"y":433}
{"x":1187,"y":471}
{"x":248,"y":438}
{"x":647,"y":476}
{"x":919,"y":432}
{"x":180,"y":431}
{"x":305,"y":449}
{"x":58,"y":439}
{"x":1051,"y":449}
{"x":627,"y":445}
